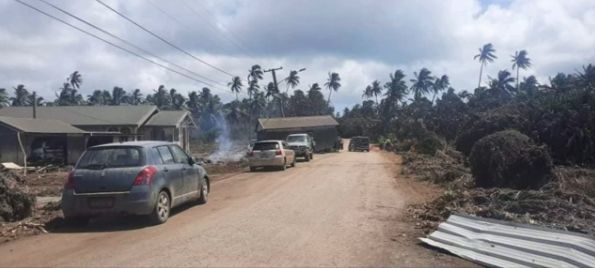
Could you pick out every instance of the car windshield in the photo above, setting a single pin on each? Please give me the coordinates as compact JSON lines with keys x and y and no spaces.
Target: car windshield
{"x":296,"y":138}
{"x":110,"y":157}
{"x":264,"y":146}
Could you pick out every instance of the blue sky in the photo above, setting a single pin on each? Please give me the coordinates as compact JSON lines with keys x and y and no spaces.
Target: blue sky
{"x":361,"y":40}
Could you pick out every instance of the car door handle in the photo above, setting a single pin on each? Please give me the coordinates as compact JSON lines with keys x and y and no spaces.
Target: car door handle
{"x":165,"y":170}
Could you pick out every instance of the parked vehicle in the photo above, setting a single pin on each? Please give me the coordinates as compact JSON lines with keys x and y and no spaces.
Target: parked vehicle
{"x":271,"y":153}
{"x":139,"y":178}
{"x":303,"y":144}
{"x":359,"y":143}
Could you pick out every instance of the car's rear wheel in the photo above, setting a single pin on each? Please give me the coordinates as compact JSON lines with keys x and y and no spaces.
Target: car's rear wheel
{"x":204,"y":192}
{"x":161,"y":212}
{"x":284,"y":166}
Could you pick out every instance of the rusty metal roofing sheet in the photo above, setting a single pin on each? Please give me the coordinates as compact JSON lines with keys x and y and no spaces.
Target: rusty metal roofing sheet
{"x":506,"y":244}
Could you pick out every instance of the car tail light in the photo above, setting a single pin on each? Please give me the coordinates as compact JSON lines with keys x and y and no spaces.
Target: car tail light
{"x":145,"y":176}
{"x":278,"y":152}
{"x":69,"y":184}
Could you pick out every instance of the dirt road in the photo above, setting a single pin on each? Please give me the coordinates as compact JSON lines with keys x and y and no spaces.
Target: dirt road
{"x":342,"y":209}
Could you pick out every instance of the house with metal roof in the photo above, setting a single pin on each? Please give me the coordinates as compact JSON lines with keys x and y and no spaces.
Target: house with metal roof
{"x":322,"y":128}
{"x":71,"y":129}
{"x":170,"y":126}
{"x":25,"y":140}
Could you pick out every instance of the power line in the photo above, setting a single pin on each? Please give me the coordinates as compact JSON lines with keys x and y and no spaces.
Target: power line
{"x":110,"y":43}
{"x":163,"y":39}
{"x":215,"y":28}
{"x":127,"y":42}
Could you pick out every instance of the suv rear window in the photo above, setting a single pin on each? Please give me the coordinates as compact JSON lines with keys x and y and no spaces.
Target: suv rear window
{"x":111,"y":157}
{"x":296,"y":138}
{"x":264,"y":146}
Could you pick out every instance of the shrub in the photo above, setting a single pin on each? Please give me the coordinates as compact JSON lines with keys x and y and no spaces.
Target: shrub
{"x":510,"y":159}
{"x":429,"y":144}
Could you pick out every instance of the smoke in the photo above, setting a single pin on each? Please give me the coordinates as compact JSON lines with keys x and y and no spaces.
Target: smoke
{"x":228,"y":148}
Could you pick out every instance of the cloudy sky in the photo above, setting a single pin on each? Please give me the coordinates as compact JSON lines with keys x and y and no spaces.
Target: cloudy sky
{"x":361,"y":40}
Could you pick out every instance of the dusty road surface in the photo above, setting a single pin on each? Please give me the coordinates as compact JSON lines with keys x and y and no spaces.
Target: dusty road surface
{"x":342,"y":209}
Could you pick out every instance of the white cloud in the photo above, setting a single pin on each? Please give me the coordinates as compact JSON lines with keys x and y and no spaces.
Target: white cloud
{"x":361,"y":40}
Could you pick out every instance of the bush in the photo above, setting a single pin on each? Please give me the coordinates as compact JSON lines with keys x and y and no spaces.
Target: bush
{"x":510,"y":159}
{"x":487,"y":123}
{"x":429,"y":144}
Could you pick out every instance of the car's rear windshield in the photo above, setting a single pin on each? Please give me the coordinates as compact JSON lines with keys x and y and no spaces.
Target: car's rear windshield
{"x":297,"y":138}
{"x":264,"y":146}
{"x":111,"y":157}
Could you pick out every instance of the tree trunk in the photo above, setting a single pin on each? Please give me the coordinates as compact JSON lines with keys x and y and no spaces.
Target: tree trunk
{"x":480,"y":72}
{"x":328,"y":102}
{"x":517,"y":79}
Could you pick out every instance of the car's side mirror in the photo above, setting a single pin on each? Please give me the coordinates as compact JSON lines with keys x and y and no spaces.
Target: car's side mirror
{"x":197,"y":161}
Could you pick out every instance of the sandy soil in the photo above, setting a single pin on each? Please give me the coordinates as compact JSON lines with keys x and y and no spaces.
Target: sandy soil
{"x":342,"y":209}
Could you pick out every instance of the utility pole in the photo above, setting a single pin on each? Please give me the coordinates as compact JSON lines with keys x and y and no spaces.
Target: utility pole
{"x":272,"y":70}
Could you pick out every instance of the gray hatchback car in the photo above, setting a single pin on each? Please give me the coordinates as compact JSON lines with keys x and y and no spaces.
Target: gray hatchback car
{"x":138,"y":178}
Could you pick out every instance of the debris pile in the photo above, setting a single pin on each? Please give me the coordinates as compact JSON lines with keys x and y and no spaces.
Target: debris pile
{"x":567,"y":202}
{"x":16,"y":202}
{"x":510,"y":159}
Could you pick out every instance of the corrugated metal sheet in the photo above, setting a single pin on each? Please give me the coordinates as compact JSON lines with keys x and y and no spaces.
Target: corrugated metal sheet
{"x":47,"y":126}
{"x":506,"y":244}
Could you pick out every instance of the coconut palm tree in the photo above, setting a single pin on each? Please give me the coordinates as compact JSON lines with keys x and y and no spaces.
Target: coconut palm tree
{"x":315,"y":86}
{"x":68,"y":96}
{"x":396,"y":89}
{"x":486,"y":54}
{"x":520,"y":61}
{"x":236,"y":86}
{"x":440,"y":85}
{"x":255,"y":73}
{"x":96,"y":98}
{"x":373,"y":90}
{"x":293,"y":80}
{"x":21,"y":96}
{"x":118,"y":96}
{"x":503,"y":82}
{"x":422,"y":83}
{"x":271,"y":90}
{"x":4,"y":100}
{"x":136,"y":97}
{"x":333,"y":83}
{"x":252,"y":88}
{"x":586,"y":78}
{"x":75,"y":79}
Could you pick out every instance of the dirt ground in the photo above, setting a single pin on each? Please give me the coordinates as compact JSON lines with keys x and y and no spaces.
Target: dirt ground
{"x":342,"y":209}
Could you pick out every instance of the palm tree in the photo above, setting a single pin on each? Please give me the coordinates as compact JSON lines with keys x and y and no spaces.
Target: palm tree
{"x":373,"y":90}
{"x":486,"y":54}
{"x":333,"y":83}
{"x":136,"y":97}
{"x":96,"y":98}
{"x":396,"y":89}
{"x":236,"y":86}
{"x":271,"y":90}
{"x":529,"y":86}
{"x":422,"y":83}
{"x":75,"y":79}
{"x":21,"y":96}
{"x":68,"y":96}
{"x":118,"y":96}
{"x":586,"y":78}
{"x":255,"y":73}
{"x":520,"y":61}
{"x":503,"y":82}
{"x":315,"y":86}
{"x":252,"y":88}
{"x":439,"y":85}
{"x":4,"y":100}
{"x":293,"y":80}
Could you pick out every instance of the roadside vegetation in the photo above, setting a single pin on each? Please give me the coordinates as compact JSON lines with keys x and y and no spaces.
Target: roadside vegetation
{"x":514,"y":148}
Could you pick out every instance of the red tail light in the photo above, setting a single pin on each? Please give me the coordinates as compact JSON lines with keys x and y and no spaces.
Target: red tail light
{"x":278,"y":152}
{"x":145,"y":176}
{"x":69,"y":184}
